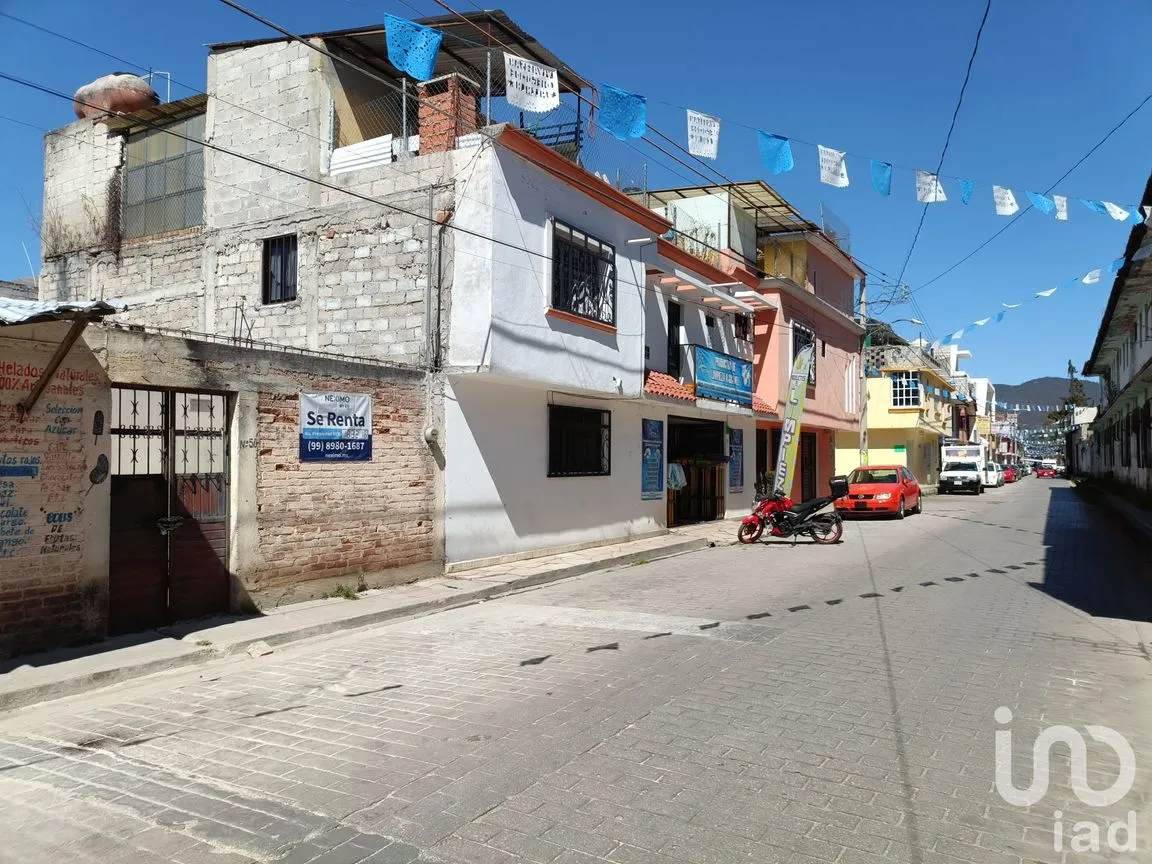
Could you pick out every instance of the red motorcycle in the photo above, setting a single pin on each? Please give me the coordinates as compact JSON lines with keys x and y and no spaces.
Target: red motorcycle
{"x":785,"y":518}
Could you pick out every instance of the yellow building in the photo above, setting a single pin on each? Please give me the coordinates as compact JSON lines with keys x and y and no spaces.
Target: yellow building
{"x":907,"y":414}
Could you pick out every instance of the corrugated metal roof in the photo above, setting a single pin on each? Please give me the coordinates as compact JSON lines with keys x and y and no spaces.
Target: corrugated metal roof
{"x":157,"y":115}
{"x":35,"y":311}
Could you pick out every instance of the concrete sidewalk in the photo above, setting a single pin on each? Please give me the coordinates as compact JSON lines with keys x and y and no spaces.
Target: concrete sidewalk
{"x":55,"y":674}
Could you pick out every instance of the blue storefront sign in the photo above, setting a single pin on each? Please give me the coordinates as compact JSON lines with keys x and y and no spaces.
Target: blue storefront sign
{"x":722,"y":376}
{"x":335,"y":427}
{"x":652,"y":464}
{"x":735,"y":460}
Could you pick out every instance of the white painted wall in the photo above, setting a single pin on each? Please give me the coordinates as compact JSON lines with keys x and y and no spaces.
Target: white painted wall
{"x":514,"y":202}
{"x":693,"y":317}
{"x":498,"y":497}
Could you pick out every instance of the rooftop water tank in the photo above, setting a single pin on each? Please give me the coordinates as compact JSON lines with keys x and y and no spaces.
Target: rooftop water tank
{"x":120,"y":92}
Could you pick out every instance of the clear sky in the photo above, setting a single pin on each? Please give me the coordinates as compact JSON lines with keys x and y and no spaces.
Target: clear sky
{"x":878,"y":79}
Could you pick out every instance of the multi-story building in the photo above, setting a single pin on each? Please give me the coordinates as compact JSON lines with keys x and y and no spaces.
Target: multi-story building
{"x":803,"y":286}
{"x":1122,"y":358}
{"x":909,"y":404}
{"x":338,"y":206}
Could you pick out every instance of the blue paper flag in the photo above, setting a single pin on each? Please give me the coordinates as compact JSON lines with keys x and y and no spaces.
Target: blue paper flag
{"x":1041,"y":202}
{"x":966,"y":187}
{"x":1000,"y":316}
{"x":623,"y":114}
{"x":882,"y":177}
{"x":1115,"y":266}
{"x":412,"y":47}
{"x":1095,"y":206}
{"x":1135,"y":217}
{"x":775,"y":153}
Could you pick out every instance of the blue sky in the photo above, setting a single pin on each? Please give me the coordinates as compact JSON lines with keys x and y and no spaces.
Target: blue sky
{"x":877,"y":79}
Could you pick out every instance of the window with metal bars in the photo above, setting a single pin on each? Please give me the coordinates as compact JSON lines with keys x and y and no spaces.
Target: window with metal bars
{"x":906,"y":391}
{"x":280,"y":269}
{"x":579,"y":442}
{"x":801,"y":338}
{"x":583,"y":274}
{"x":743,"y":328}
{"x":163,"y":179}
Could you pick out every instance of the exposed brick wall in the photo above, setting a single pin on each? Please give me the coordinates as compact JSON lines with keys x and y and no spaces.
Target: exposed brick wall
{"x":53,"y":518}
{"x":323,"y":519}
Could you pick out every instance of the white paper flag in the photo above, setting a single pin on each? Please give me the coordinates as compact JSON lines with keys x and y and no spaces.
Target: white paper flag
{"x":928,"y":188}
{"x":529,"y":85}
{"x":1047,"y":293}
{"x":1147,"y":211}
{"x":981,"y":322}
{"x":833,"y":169}
{"x":1092,"y":277}
{"x":1061,"y":207}
{"x":1115,"y":211}
{"x":703,"y":135}
{"x":1005,"y":201}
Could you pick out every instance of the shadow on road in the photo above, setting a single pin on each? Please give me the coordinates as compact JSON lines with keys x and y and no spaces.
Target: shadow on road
{"x":1091,"y":562}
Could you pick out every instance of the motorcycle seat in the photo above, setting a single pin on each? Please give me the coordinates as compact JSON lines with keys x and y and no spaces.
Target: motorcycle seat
{"x":808,"y":506}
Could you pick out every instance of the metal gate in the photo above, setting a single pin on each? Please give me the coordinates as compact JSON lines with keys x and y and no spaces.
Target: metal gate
{"x":168,"y":555}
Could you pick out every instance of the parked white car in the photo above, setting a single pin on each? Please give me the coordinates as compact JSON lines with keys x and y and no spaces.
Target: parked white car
{"x":993,"y":474}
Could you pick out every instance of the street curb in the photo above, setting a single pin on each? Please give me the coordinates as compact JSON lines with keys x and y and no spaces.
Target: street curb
{"x":51,"y":691}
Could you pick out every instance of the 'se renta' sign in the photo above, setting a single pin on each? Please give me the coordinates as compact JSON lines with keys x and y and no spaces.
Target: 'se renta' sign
{"x":335,"y":427}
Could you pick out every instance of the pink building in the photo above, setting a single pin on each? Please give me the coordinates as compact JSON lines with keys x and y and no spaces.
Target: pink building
{"x":803,"y":287}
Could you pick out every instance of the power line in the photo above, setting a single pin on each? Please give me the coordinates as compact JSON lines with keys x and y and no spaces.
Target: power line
{"x":948,"y":137}
{"x":1059,"y":180}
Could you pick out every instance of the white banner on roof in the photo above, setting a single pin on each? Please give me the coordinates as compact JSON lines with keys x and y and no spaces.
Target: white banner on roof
{"x":529,"y":85}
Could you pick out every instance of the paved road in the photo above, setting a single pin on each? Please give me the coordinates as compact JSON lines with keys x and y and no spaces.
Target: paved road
{"x":757,"y":704}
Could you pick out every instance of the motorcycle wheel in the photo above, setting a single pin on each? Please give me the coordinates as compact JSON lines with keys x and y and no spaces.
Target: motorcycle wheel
{"x":750,"y":533}
{"x":828,"y":531}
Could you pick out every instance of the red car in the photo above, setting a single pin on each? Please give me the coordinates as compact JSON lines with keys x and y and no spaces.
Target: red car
{"x":1045,"y":473}
{"x":887,"y":489}
{"x":1009,"y":474}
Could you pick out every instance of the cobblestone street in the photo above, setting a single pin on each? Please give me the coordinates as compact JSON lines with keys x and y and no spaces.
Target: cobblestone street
{"x":767,"y":703}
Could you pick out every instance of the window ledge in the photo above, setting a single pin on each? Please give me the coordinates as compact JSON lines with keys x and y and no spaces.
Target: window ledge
{"x":561,"y":315}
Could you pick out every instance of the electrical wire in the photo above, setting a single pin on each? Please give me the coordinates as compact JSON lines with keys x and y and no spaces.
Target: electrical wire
{"x":1058,"y":181}
{"x":948,"y":137}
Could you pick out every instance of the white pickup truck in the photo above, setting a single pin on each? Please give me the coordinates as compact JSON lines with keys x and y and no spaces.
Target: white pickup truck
{"x":961,"y":477}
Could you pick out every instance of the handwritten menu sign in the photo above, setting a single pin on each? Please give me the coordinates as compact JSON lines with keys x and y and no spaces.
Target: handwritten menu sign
{"x":45,"y":458}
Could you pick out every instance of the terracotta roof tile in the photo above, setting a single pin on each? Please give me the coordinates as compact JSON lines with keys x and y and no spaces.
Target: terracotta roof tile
{"x":760,"y":406}
{"x":660,"y":384}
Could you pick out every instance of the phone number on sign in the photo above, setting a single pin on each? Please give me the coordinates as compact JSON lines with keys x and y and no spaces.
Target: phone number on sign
{"x":337,"y":446}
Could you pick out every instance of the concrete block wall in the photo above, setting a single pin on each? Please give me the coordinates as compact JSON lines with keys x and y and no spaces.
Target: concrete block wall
{"x":276,"y":110}
{"x":80,"y":165}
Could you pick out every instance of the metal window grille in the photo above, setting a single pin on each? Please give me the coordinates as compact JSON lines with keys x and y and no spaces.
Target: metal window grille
{"x":906,"y":391}
{"x":743,"y":328}
{"x":163,"y":180}
{"x":280,"y":269}
{"x":583,"y":274}
{"x":579,"y":442}
{"x":802,"y":337}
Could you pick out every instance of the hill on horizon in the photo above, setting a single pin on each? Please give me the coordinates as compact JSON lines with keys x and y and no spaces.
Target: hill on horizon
{"x":1049,"y":390}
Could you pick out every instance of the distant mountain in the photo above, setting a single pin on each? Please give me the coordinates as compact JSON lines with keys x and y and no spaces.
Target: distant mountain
{"x":1043,"y":391}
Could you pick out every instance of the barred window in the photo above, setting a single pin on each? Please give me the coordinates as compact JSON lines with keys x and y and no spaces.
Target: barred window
{"x":579,"y":442}
{"x":801,"y":338}
{"x":906,"y":390}
{"x":279,"y":269}
{"x":583,"y":274}
{"x":743,"y":328}
{"x":164,"y":179}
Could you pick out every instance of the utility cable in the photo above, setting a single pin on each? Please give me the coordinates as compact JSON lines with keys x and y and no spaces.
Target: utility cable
{"x":948,"y":137}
